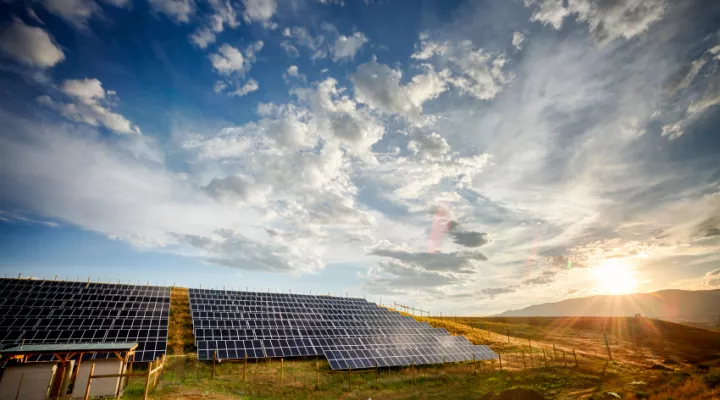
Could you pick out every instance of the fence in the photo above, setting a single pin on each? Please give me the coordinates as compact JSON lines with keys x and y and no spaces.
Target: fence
{"x":299,"y":377}
{"x":152,"y":377}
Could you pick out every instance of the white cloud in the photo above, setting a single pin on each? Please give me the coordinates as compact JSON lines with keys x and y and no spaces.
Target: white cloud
{"x":203,"y":37}
{"x":430,"y":146}
{"x":517,"y":40}
{"x":709,"y":99}
{"x":379,"y":86}
{"x":233,"y":65}
{"x":551,"y":12}
{"x":223,"y":14}
{"x":327,"y":41}
{"x":293,"y":72}
{"x":228,"y":60}
{"x":259,"y":10}
{"x":346,"y":47}
{"x":90,"y":107}
{"x":672,"y":131}
{"x":250,"y":86}
{"x":607,"y":19}
{"x":118,"y":3}
{"x":29,"y":45}
{"x":76,"y":12}
{"x":176,"y":10}
{"x":476,"y":72}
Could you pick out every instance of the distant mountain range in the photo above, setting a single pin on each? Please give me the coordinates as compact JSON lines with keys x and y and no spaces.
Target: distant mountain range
{"x":673,"y":305}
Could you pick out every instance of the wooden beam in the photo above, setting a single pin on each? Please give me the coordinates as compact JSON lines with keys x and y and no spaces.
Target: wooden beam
{"x":117,"y":354}
{"x":90,"y":376}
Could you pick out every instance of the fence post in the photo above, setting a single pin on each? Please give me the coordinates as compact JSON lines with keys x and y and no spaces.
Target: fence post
{"x":413,"y":371}
{"x":147,"y":381}
{"x":282,"y":371}
{"x":443,"y":365}
{"x":317,"y":375}
{"x":500,"y":359}
{"x":87,"y":388}
{"x":574,"y":356}
{"x":507,"y":332}
{"x":523,"y":357}
{"x":377,"y":374}
{"x":474,"y":365}
{"x":245,"y":368}
{"x":349,"y":376}
{"x":554,"y":353}
{"x":544,"y":358}
{"x":212,"y":374}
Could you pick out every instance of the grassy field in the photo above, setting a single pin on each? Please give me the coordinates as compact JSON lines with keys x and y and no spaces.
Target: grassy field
{"x":557,"y":358}
{"x":551,"y":372}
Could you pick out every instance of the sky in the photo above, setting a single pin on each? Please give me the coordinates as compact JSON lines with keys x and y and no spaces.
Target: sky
{"x":464,"y":157}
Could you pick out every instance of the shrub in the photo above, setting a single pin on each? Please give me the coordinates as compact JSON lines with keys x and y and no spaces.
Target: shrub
{"x":712,"y":380}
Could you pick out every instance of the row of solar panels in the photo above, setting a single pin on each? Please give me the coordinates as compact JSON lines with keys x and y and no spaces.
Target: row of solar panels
{"x":42,"y":312}
{"x":357,"y":334}
{"x":351,"y":333}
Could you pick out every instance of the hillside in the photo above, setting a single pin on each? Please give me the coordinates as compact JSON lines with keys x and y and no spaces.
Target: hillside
{"x":674,"y":305}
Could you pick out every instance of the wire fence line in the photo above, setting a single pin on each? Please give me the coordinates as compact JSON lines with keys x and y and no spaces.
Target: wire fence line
{"x":313,"y":374}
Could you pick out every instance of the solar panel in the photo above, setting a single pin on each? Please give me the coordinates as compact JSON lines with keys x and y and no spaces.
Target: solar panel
{"x":350,"y":333}
{"x":41,"y":312}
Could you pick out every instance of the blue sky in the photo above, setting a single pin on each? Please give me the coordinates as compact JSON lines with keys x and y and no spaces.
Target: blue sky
{"x":463,"y":156}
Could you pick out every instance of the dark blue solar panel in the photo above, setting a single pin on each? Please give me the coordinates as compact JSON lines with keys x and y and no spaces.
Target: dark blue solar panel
{"x":42,"y":312}
{"x":350,"y":333}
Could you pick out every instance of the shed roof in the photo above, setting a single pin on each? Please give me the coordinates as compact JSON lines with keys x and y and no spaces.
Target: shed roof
{"x":66,"y":347}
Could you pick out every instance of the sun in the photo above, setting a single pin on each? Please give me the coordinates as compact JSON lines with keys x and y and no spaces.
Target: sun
{"x":615,"y":277}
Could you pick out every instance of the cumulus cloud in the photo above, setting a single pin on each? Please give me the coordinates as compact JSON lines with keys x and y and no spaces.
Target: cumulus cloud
{"x":326,"y":41}
{"x":476,"y":72}
{"x":517,"y":40}
{"x":346,"y":47}
{"x":378,"y":86}
{"x":90,"y":105}
{"x":177,"y":10}
{"x":607,"y":19}
{"x":233,"y":65}
{"x":429,"y":146}
{"x":248,"y":87}
{"x":223,"y":13}
{"x":672,"y":131}
{"x":29,"y":45}
{"x":259,"y":10}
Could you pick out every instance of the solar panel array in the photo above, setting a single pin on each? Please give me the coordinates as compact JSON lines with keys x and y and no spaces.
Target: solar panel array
{"x":42,"y":312}
{"x":351,"y":333}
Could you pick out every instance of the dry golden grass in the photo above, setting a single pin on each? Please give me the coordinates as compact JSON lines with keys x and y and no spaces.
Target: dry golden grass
{"x":180,"y":331}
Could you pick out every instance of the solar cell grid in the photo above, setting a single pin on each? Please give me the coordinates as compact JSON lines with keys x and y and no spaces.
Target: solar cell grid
{"x":351,"y":333}
{"x":37,"y":312}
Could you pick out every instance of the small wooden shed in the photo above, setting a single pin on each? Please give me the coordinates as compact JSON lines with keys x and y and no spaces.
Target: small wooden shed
{"x":65,"y":372}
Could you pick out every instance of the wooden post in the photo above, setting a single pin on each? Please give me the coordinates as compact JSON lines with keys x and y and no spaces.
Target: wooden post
{"x":282,"y":371}
{"x":507,"y":332}
{"x":123,"y":365}
{"x":574,"y":356}
{"x":212,"y":374}
{"x":564,"y":359}
{"x":544,"y":358}
{"x":554,"y":353}
{"x":87,"y":388}
{"x":317,"y":375}
{"x":474,"y":365}
{"x":500,"y":359}
{"x":245,"y":368}
{"x":349,"y":376}
{"x":377,"y":374}
{"x":17,"y":395}
{"x":413,"y":371}
{"x":530,"y":345}
{"x":523,"y":357}
{"x":130,"y":369}
{"x":147,"y":381}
